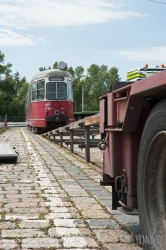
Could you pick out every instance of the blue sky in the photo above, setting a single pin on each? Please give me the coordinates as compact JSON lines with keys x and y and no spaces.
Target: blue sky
{"x":122,"y":33}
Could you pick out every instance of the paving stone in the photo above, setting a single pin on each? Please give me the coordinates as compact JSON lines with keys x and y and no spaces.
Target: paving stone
{"x":22,"y":233}
{"x":20,"y":196}
{"x":94,"y":213}
{"x":25,"y":184}
{"x":21,"y":188}
{"x":34,"y":224}
{"x":64,"y":223}
{"x":79,"y":242}
{"x":134,"y":229}
{"x":114,"y":211}
{"x":74,"y":242}
{"x":58,"y":204}
{"x":57,"y":232}
{"x":59,"y":209}
{"x":113,"y":236}
{"x":69,"y":223}
{"x":30,"y":210}
{"x":83,"y":200}
{"x":84,"y":231}
{"x":29,"y":192}
{"x":4,"y":209}
{"x":34,"y":200}
{"x":7,"y":225}
{"x":22,"y":216}
{"x":91,"y":242}
{"x":78,"y":194}
{"x":38,"y":243}
{"x":68,"y":187}
{"x":1,"y":196}
{"x":58,"y":215}
{"x":102,"y":223}
{"x":93,"y":188}
{"x":121,"y":246}
{"x":127,"y":219}
{"x":79,"y":223}
{"x":8,"y":244}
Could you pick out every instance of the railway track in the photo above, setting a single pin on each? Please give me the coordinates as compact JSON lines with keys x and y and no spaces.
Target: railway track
{"x":51,"y":199}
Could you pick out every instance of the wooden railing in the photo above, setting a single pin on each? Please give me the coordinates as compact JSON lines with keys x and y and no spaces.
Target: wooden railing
{"x":86,"y":128}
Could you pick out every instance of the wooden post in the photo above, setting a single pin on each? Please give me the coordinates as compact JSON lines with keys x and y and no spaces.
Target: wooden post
{"x":87,"y":143}
{"x":61,"y":139}
{"x":71,"y":139}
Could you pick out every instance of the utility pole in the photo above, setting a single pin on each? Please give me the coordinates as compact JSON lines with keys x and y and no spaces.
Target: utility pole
{"x":82,"y":97}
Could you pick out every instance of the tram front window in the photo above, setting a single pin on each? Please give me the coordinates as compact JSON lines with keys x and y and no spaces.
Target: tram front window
{"x":61,"y":91}
{"x":51,"y":91}
{"x":56,"y":91}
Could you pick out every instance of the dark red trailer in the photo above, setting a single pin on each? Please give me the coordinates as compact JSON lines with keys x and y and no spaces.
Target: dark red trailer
{"x":133,"y":132}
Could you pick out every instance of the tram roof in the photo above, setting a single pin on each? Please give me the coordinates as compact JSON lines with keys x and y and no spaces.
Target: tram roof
{"x":52,"y":73}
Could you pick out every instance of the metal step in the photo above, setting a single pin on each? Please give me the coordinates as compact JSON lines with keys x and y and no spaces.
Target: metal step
{"x":7,"y":153}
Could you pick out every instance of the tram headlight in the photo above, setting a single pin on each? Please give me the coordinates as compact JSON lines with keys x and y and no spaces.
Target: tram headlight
{"x":62,"y":112}
{"x":57,"y":112}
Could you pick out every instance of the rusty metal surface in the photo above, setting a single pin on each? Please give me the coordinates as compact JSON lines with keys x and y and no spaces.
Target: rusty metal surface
{"x":7,"y":153}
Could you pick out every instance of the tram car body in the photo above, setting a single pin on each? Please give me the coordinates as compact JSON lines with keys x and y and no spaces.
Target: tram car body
{"x":49,"y":101}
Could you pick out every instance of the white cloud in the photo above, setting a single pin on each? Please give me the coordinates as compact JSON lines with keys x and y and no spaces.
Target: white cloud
{"x":11,"y":38}
{"x":21,"y":14}
{"x":154,"y":54}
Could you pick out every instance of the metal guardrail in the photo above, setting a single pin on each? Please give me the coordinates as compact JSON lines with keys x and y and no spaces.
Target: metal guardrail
{"x":13,"y":124}
{"x":85,"y":128}
{"x":17,"y":124}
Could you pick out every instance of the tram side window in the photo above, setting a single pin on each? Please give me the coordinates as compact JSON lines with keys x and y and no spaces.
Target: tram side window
{"x":29,"y":94}
{"x":61,"y":91}
{"x":40,"y":90}
{"x":70,"y":90}
{"x":51,"y":91}
{"x":27,"y":100}
{"x":33,"y":91}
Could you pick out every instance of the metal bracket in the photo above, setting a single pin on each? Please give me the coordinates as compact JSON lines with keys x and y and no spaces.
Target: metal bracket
{"x":123,"y":187}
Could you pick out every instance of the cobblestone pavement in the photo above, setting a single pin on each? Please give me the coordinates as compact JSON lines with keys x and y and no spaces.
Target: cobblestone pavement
{"x":51,"y":200}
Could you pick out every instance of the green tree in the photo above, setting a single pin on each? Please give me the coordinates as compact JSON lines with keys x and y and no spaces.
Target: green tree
{"x":97,"y":83}
{"x":42,"y":68}
{"x":18,"y":101}
{"x":4,"y":69}
{"x":55,"y":65}
{"x":77,"y":87}
{"x":112,"y":77}
{"x":13,"y":90}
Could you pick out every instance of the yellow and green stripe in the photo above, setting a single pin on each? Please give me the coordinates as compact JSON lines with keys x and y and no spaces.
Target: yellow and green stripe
{"x":133,"y":75}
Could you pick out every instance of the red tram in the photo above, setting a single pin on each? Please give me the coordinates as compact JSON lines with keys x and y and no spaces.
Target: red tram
{"x":49,"y":101}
